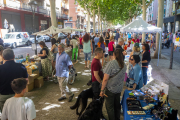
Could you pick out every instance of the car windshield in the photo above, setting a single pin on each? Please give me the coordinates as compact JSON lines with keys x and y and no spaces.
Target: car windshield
{"x":10,"y":36}
{"x":31,"y":36}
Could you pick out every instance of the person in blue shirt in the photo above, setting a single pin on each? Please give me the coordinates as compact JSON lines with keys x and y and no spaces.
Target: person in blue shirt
{"x":129,"y":36}
{"x":63,"y":64}
{"x":117,"y":36}
{"x":96,"y":40}
{"x":135,"y":79}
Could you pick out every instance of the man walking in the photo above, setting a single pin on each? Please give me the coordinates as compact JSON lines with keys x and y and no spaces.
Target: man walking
{"x":96,"y":40}
{"x":97,"y":72}
{"x":8,"y":72}
{"x":119,"y":46}
{"x":63,"y":64}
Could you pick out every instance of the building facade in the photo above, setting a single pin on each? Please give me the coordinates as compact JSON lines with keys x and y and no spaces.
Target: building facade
{"x":19,"y":15}
{"x":76,"y":16}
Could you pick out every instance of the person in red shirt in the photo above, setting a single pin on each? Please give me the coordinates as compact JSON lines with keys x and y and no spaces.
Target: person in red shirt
{"x":135,"y":40}
{"x":111,"y":48}
{"x":97,"y":72}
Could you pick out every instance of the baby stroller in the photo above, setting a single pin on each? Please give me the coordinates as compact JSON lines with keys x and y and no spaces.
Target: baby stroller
{"x":71,"y":79}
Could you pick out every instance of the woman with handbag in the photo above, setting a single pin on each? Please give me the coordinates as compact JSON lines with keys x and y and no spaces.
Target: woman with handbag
{"x":135,"y":79}
{"x":45,"y":62}
{"x":54,"y":50}
{"x":112,"y":84}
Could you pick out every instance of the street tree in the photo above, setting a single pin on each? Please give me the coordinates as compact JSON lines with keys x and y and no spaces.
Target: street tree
{"x":159,"y":24}
{"x":144,"y":4}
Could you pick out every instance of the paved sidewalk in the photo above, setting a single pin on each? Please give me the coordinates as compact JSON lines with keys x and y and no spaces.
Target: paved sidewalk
{"x":168,"y":76}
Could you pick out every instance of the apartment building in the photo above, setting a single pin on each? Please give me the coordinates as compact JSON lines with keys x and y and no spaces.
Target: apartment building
{"x":76,"y":16}
{"x":19,"y":14}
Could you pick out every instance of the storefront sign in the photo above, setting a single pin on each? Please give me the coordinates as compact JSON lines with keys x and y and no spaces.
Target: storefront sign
{"x":43,"y":22}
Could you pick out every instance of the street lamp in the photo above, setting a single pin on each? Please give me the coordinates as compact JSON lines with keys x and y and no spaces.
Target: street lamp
{"x":33,"y":3}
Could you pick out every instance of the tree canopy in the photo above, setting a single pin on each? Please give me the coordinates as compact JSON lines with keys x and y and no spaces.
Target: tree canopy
{"x":114,"y":11}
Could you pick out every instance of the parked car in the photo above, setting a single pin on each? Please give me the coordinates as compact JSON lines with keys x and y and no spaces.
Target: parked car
{"x":15,"y":39}
{"x":62,"y":36}
{"x":46,"y":38}
{"x":39,"y":38}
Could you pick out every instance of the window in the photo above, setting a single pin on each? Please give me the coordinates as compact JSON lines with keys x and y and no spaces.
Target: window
{"x":70,"y":19}
{"x":18,"y":36}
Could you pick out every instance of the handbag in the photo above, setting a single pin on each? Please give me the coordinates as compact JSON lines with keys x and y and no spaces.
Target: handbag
{"x":115,"y":74}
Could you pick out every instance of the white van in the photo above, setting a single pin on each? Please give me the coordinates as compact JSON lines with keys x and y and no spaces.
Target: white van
{"x":15,"y":39}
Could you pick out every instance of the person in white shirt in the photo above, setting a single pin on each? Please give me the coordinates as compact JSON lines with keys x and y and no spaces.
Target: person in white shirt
{"x":19,"y":107}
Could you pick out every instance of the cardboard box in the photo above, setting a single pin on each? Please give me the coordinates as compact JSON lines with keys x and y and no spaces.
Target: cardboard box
{"x":39,"y":82}
{"x":30,"y":71}
{"x":30,"y":87}
{"x":31,"y":78}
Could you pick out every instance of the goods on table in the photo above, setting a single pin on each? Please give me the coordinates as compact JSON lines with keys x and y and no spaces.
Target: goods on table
{"x":148,"y":106}
{"x":136,"y":113}
{"x":154,"y":87}
{"x":134,"y":105}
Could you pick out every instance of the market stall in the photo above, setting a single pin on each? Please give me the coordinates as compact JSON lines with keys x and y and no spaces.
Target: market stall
{"x":149,"y":103}
{"x":141,"y":26}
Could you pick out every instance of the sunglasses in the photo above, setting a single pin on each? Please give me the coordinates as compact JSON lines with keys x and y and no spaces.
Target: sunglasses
{"x":131,"y":59}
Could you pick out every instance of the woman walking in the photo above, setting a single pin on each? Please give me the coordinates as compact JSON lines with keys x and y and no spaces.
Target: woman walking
{"x":107,"y":38}
{"x":46,"y":63}
{"x":67,"y":41}
{"x":111,"y":48}
{"x":146,"y":58}
{"x":102,"y":44}
{"x":54,"y":50}
{"x":112,"y":84}
{"x":87,"y":49}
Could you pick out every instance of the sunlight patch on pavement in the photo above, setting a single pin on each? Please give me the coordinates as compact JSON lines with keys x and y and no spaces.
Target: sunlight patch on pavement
{"x":41,"y":103}
{"x":87,"y":70}
{"x":51,"y":106}
{"x":61,"y":102}
{"x":82,"y":62}
{"x":76,"y":97}
{"x":31,"y":97}
{"x":37,"y":110}
{"x":75,"y":89}
{"x":47,"y":103}
{"x":86,"y":74}
{"x":78,"y":72}
{"x":57,"y":94}
{"x":84,"y":86}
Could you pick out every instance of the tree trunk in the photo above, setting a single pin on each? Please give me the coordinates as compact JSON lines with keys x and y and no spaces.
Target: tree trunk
{"x":98,"y":20}
{"x":172,"y":47}
{"x":88,"y":22}
{"x":101,"y":26}
{"x":53,"y":14}
{"x":159,"y":24}
{"x":94,"y":22}
{"x":144,"y":18}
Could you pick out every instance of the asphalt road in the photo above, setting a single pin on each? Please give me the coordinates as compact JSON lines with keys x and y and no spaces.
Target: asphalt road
{"x":24,"y":50}
{"x":176,"y":55}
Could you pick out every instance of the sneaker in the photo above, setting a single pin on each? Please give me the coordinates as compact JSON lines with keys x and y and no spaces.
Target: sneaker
{"x":61,"y":98}
{"x":70,"y":98}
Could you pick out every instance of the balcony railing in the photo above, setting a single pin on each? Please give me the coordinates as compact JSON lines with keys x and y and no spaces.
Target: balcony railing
{"x":41,"y":10}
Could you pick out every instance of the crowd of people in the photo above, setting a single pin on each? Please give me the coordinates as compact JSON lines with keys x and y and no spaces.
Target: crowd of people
{"x":108,"y":82}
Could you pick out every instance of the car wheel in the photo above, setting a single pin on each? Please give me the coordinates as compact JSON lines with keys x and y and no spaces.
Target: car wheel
{"x":28,"y":43}
{"x":14,"y":45}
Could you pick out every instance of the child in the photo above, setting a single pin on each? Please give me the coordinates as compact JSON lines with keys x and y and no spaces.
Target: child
{"x":106,"y":54}
{"x":111,"y":48}
{"x":19,"y":107}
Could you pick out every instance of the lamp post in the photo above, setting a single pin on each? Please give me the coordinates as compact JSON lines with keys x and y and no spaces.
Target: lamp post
{"x":33,"y":3}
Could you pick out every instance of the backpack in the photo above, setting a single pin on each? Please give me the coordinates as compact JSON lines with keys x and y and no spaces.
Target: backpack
{"x":102,"y":46}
